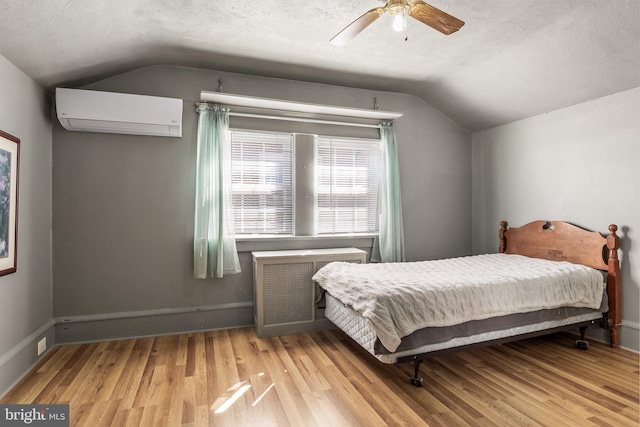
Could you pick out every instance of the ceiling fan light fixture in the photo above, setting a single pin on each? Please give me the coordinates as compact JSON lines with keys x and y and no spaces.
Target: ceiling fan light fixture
{"x":399,"y":22}
{"x":398,"y":10}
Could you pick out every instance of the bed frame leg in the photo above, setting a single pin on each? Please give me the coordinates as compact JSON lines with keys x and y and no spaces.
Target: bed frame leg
{"x":615,"y":340}
{"x":416,"y":380}
{"x":581,"y":343}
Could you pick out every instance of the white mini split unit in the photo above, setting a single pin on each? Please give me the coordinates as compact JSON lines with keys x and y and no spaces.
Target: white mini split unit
{"x":109,"y":112}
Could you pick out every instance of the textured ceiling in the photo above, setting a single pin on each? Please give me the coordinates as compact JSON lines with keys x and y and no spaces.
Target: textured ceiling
{"x":511,"y":60}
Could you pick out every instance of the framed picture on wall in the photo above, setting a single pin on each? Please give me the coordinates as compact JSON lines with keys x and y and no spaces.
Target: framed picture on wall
{"x":9,"y":172}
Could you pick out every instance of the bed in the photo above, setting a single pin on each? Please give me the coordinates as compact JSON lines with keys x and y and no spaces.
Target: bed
{"x":546,"y":277}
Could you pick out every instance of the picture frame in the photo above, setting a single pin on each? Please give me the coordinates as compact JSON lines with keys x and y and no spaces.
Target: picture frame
{"x":9,"y":177}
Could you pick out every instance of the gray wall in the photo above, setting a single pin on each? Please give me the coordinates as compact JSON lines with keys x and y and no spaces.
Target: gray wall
{"x":580,"y":164}
{"x":123,"y":208}
{"x":26,"y":295}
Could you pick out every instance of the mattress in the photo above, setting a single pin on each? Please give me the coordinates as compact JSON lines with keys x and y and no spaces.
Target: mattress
{"x":401,"y":298}
{"x":361,"y":331}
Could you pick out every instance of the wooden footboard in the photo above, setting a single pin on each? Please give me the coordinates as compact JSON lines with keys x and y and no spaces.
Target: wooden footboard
{"x":561,"y":241}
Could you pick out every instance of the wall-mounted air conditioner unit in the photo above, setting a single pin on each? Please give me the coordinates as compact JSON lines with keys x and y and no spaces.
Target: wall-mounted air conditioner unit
{"x":109,"y":112}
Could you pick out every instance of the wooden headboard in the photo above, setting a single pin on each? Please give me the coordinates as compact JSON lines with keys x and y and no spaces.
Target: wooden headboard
{"x":561,"y":241}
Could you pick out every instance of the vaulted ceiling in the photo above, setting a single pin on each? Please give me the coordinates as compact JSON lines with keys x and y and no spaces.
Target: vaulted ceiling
{"x":511,"y":60}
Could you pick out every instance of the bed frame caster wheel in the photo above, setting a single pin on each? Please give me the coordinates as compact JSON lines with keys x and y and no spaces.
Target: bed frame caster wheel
{"x":582,"y":344}
{"x":416,"y":382}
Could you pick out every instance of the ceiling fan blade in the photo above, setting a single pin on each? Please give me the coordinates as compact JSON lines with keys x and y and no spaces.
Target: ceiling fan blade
{"x":435,"y":18}
{"x":356,"y":27}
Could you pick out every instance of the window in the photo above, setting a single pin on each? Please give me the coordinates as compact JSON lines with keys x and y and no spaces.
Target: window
{"x":339,"y":196}
{"x":262,"y":182}
{"x":347,"y":178}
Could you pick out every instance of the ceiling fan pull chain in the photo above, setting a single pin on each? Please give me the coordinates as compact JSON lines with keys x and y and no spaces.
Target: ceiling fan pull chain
{"x":407,"y":12}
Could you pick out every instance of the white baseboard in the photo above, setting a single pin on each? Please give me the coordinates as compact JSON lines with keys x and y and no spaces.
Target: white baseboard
{"x":630,"y":324}
{"x":20,"y":359}
{"x":135,"y":324}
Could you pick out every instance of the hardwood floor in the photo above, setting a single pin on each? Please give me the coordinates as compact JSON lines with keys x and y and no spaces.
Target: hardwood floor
{"x":233,"y":378}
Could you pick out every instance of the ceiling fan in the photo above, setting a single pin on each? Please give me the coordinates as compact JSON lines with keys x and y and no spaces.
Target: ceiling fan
{"x":399,"y":9}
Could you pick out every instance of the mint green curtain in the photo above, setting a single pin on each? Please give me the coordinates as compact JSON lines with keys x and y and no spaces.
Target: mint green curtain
{"x":214,"y":244}
{"x":389,"y":245}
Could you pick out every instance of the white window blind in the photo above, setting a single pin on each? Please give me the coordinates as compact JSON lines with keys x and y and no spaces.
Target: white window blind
{"x":262,"y":182}
{"x":347,"y":179}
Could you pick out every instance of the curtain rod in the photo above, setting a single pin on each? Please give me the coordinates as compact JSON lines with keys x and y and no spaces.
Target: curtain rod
{"x":298,"y":119}
{"x":302,"y":119}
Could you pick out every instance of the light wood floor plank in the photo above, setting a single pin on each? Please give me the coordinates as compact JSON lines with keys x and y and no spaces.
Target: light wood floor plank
{"x":130,"y":382}
{"x":324,"y":379}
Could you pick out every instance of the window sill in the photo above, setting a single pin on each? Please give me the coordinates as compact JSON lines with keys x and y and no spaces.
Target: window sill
{"x":279,"y":237}
{"x":249,"y":243}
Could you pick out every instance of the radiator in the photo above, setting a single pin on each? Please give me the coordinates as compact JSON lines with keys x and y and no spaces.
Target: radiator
{"x":284,"y":294}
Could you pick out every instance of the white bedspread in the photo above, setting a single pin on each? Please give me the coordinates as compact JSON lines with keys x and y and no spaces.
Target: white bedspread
{"x":400,"y":298}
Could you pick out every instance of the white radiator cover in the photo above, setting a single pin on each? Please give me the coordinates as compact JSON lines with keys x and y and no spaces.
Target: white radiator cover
{"x":285,"y":295}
